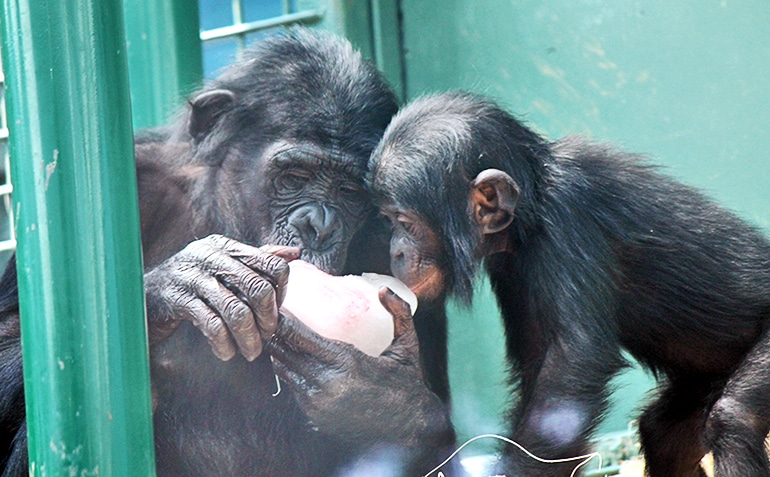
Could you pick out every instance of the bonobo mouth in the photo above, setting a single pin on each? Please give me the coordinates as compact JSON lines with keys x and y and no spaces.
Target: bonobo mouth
{"x":330,"y":262}
{"x":427,"y":285}
{"x":420,"y":288}
{"x":330,"y":259}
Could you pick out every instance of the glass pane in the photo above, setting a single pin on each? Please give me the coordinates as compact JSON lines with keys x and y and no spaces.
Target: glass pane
{"x":2,"y":106}
{"x":259,"y":35}
{"x":5,"y":222}
{"x":254,"y":10}
{"x":3,"y":157}
{"x":215,"y":13}
{"x":300,"y":5}
{"x":218,"y":54}
{"x":4,"y":256}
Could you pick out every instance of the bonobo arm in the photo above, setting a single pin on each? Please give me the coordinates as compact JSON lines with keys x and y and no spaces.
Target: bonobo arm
{"x":165,"y":212}
{"x":216,"y":283}
{"x":229,"y":290}
{"x":368,"y":403}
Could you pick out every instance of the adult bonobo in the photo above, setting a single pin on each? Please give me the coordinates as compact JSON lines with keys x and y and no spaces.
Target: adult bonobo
{"x":589,"y":251}
{"x":273,"y":151}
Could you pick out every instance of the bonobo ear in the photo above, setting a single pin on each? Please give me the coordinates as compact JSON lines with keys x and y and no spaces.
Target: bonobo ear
{"x":493,"y":200}
{"x":206,"y":109}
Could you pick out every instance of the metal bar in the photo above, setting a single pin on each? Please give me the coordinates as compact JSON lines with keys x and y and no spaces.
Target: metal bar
{"x":238,"y":20}
{"x":386,"y":43}
{"x":237,"y":12}
{"x":83,"y":330}
{"x":228,"y":31}
{"x":164,"y":57}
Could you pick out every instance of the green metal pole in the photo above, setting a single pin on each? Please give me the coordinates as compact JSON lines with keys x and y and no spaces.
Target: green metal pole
{"x":79,"y":258}
{"x":164,"y":56}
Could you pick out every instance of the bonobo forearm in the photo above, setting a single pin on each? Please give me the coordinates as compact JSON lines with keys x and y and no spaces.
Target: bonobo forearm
{"x":378,"y":407}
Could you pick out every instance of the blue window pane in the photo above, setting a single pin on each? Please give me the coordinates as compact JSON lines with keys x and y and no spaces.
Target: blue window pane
{"x":300,"y":5}
{"x":5,"y":220}
{"x":4,"y":256}
{"x":218,"y":54}
{"x":3,"y":154}
{"x":254,"y":10}
{"x":215,"y":13}
{"x":259,"y":35}
{"x":2,"y":103}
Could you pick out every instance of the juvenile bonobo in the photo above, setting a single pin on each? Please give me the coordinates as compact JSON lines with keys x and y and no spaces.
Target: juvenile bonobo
{"x":268,"y":163}
{"x":589,"y":251}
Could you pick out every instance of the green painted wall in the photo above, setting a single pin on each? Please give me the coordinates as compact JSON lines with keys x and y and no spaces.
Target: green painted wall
{"x":685,"y":82}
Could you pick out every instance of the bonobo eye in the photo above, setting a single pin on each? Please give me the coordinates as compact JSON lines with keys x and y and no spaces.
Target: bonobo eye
{"x":406,"y":223}
{"x":293,"y":179}
{"x":403,"y":223}
{"x":351,"y":191}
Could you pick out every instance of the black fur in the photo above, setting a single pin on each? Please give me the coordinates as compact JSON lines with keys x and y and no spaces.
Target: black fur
{"x":13,"y":436}
{"x":606,"y":253}
{"x":214,"y":171}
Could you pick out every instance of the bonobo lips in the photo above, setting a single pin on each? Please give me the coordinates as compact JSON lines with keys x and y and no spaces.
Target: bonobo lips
{"x":428,"y":284}
{"x":330,"y":262}
{"x":418,"y":288}
{"x":331,"y":259}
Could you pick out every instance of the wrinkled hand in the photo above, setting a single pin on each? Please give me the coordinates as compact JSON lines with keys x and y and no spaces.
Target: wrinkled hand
{"x":360,"y":399}
{"x":229,"y":290}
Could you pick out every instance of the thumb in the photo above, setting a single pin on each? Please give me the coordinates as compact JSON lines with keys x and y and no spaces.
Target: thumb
{"x":405,"y":345}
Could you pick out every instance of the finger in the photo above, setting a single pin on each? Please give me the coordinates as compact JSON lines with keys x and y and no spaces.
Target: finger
{"x":236,"y":314}
{"x":405,"y":345}
{"x":297,"y":345}
{"x":272,"y":267}
{"x":223,"y":243}
{"x":256,"y":290}
{"x":262,"y":299}
{"x":399,"y":309}
{"x":268,"y":259}
{"x":281,"y":272}
{"x":253,"y":287}
{"x":293,"y":379}
{"x":212,"y":327}
{"x":284,"y":251}
{"x":221,"y":254}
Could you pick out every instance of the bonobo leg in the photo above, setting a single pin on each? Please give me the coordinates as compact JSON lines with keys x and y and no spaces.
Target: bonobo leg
{"x":561,"y":399}
{"x":671,"y":431}
{"x":740,"y":420}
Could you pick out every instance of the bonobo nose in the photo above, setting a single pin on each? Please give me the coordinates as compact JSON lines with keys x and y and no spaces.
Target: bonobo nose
{"x":398,"y":262}
{"x":318,"y":225}
{"x":398,"y":268}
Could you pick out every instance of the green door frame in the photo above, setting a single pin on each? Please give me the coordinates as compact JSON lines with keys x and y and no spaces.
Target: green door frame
{"x":84,"y":338}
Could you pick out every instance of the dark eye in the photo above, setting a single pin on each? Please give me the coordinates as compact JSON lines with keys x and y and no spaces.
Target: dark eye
{"x":405,"y":223}
{"x":401,"y":222}
{"x":351,"y":191}
{"x":293,"y":179}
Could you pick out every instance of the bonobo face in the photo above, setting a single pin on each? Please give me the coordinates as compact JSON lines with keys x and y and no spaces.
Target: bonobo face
{"x":433,"y":175}
{"x":283,"y":138}
{"x":416,"y":253}
{"x":310,"y":198}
